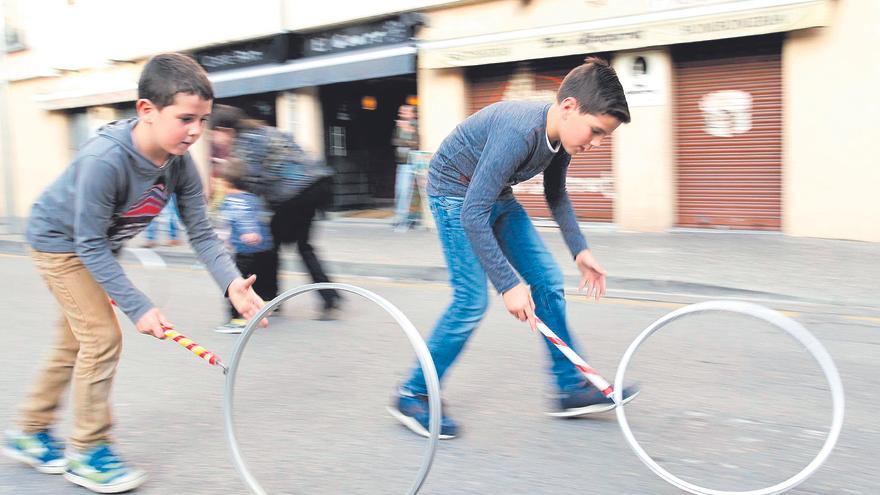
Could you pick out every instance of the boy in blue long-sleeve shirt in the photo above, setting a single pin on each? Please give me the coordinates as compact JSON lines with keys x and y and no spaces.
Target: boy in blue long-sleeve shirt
{"x":247,"y":221}
{"x":485,"y":232}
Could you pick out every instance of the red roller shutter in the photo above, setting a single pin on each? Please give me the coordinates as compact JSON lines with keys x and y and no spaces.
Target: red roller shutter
{"x":729,"y":150}
{"x":590,"y":175}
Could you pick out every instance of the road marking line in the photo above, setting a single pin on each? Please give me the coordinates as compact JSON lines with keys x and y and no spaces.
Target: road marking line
{"x":872,"y":319}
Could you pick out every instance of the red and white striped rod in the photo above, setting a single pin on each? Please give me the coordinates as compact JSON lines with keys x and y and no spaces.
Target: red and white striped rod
{"x":591,"y":374}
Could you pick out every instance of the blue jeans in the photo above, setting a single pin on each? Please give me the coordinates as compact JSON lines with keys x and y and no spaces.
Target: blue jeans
{"x":171,"y":215}
{"x":403,"y":189}
{"x":526,"y":252}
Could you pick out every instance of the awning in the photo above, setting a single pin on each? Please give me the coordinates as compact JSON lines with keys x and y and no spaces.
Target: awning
{"x":312,"y":71}
{"x":709,"y":22}
{"x":316,"y":71}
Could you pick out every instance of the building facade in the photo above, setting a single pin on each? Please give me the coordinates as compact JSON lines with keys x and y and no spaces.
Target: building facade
{"x":747,"y":114}
{"x":736,"y":105}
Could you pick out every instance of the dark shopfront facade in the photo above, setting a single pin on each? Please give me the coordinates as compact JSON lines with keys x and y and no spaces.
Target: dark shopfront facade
{"x":361,"y":75}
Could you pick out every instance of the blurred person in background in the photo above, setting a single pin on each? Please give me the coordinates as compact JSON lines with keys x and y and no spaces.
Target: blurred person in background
{"x":293,"y":185}
{"x":170,"y":216}
{"x":246,"y":221}
{"x":406,"y":139}
{"x":220,"y":146}
{"x":117,"y":183}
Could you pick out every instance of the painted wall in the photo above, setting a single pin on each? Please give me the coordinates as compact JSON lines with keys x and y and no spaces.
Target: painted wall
{"x":831,"y":170}
{"x":302,"y":14}
{"x":299,"y":112}
{"x":644,"y":155}
{"x":442,"y":104}
{"x":87,"y":33}
{"x":470,"y":19}
{"x":41,"y":145}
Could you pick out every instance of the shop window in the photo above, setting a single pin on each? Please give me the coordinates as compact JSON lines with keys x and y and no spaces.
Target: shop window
{"x":337,"y":141}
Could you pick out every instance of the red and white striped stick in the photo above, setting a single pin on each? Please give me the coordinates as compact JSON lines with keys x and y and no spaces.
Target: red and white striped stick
{"x":591,"y":374}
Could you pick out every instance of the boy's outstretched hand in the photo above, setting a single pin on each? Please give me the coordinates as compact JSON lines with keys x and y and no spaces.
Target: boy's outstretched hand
{"x":246,"y":301}
{"x":153,"y":323}
{"x":592,"y":274}
{"x":520,"y":304}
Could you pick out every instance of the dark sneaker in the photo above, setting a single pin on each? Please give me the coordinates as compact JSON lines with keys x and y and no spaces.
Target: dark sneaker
{"x":40,"y":451}
{"x":588,"y":400}
{"x":412,"y":411}
{"x":101,"y":471}
{"x":331,"y":311}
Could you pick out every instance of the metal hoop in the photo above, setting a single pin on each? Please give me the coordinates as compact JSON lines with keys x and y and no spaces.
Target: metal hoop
{"x":783,"y":322}
{"x":422,"y":353}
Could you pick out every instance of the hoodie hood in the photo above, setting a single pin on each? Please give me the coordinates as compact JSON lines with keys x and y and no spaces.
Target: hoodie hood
{"x":119,"y":132}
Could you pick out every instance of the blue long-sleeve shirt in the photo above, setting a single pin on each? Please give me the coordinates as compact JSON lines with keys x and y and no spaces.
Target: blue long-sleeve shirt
{"x":244,"y":213}
{"x":501,"y":145}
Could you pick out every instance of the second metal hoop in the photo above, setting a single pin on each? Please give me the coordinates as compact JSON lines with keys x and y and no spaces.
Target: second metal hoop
{"x":415,"y":339}
{"x":793,"y":328}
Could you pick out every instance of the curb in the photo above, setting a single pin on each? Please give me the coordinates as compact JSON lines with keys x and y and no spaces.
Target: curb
{"x":625,"y":287}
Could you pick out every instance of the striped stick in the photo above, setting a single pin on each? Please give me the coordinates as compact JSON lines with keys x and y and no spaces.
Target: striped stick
{"x":190,"y":345}
{"x":195,"y":348}
{"x":591,"y":374}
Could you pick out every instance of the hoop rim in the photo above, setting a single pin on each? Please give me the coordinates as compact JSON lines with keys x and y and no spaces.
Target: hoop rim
{"x":415,"y":339}
{"x":791,"y":327}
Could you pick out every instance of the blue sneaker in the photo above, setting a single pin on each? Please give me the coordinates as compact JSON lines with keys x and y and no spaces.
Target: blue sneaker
{"x":40,"y":450}
{"x":101,"y":471}
{"x":588,"y":400}
{"x":412,"y":411}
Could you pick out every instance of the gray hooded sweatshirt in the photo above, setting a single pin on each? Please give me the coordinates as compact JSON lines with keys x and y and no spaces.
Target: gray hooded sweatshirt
{"x":108,"y":194}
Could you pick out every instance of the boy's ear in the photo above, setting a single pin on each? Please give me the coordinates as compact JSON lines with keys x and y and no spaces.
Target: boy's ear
{"x":145,"y":110}
{"x":569,"y":104}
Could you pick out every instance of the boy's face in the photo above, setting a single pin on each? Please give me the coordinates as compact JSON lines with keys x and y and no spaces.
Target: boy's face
{"x":176,"y":126}
{"x":580,"y":132}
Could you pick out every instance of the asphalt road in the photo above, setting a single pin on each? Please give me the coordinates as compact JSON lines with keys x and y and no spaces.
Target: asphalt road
{"x":727,"y":403}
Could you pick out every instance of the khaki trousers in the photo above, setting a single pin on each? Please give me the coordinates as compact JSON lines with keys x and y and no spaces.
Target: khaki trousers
{"x":86,"y":350}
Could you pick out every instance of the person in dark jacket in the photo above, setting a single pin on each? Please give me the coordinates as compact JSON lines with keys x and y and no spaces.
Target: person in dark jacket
{"x":293,"y":185}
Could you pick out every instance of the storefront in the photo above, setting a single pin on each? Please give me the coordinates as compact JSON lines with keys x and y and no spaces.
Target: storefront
{"x":704,"y":80}
{"x":336,"y":90}
{"x":728,"y":111}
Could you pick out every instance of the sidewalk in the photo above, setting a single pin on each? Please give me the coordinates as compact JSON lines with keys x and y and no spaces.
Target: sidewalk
{"x":710,"y":264}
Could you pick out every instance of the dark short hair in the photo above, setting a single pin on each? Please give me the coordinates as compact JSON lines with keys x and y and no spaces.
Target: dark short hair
{"x":167,"y":74}
{"x":228,"y":117}
{"x":234,"y":171}
{"x":595,"y":86}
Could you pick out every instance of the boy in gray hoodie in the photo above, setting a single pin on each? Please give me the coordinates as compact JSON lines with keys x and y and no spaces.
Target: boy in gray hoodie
{"x":115,"y":185}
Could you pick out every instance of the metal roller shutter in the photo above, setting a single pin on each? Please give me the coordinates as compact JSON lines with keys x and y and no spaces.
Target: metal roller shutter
{"x":590,"y":176}
{"x":728,"y":123}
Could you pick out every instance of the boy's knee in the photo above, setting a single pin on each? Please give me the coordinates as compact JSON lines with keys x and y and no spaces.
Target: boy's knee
{"x":107,"y":346}
{"x":550,"y":282}
{"x":474,"y":303}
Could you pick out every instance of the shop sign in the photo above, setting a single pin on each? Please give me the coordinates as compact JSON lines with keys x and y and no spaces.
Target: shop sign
{"x":387,"y":32}
{"x":255,"y":52}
